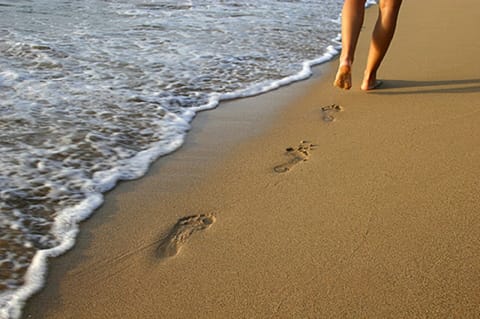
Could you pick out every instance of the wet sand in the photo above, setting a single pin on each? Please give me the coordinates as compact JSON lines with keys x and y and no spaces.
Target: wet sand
{"x":306,"y":202}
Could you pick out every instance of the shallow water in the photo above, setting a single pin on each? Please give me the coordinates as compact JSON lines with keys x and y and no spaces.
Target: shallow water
{"x":93,"y":91}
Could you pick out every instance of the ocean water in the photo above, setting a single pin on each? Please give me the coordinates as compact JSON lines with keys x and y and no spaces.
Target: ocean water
{"x":93,"y":91}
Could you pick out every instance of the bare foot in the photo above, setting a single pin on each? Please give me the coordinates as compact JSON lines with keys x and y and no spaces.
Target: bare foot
{"x":370,"y":83}
{"x":343,"y":78}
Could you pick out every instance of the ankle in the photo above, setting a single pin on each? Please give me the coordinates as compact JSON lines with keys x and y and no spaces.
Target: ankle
{"x":345,"y":61}
{"x":369,"y":77}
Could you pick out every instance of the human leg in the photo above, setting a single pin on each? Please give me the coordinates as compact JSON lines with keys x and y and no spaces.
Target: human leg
{"x":352,"y":21}
{"x":381,"y":39}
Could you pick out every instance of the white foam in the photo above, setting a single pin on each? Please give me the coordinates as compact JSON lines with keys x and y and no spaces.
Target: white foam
{"x":66,"y":230}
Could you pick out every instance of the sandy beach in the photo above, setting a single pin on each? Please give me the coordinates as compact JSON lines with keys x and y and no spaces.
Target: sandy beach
{"x":305,"y":202}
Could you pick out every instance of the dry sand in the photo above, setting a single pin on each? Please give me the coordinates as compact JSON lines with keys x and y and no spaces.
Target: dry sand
{"x":378,"y":215}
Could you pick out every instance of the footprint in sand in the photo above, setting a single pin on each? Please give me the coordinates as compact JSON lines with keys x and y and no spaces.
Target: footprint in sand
{"x":296,"y":155}
{"x":171,"y":244}
{"x":329,"y":110}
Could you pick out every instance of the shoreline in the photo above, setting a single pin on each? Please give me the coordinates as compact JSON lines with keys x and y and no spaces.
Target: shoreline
{"x":379,"y":221}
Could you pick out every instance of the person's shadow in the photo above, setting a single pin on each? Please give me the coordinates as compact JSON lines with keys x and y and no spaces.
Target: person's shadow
{"x":392,"y":87}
